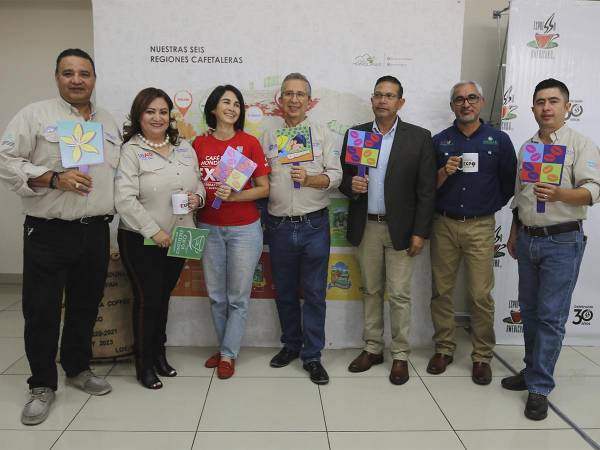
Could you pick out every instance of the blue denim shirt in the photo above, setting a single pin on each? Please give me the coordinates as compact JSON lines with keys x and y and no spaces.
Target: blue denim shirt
{"x":483,"y":192}
{"x":377,"y":175}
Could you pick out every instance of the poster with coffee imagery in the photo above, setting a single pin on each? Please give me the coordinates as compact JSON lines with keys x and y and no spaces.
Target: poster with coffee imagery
{"x":550,"y":38}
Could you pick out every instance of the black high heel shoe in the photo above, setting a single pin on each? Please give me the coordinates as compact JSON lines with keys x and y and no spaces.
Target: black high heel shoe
{"x":163,"y":367}
{"x":147,"y":377}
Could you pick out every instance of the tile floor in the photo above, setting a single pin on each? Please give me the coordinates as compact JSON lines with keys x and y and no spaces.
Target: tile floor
{"x":265,"y":408}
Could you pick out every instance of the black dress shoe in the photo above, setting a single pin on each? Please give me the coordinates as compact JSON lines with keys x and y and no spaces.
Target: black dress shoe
{"x":283,"y":358}
{"x":318,"y":374}
{"x":163,"y":367}
{"x":515,"y":382}
{"x":536,"y":407}
{"x":147,"y":377}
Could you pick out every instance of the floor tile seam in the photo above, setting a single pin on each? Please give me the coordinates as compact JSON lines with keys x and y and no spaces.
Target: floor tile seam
{"x":137,"y":430}
{"x":557,"y":411}
{"x":71,"y":421}
{"x":30,"y":429}
{"x":240,"y":430}
{"x":438,"y":406}
{"x":460,"y":430}
{"x":178,"y":375}
{"x":263,"y":431}
{"x":416,"y":430}
{"x":11,"y":365}
{"x":585,"y":356}
{"x":578,"y":376}
{"x":324,"y":417}
{"x":202,"y":410}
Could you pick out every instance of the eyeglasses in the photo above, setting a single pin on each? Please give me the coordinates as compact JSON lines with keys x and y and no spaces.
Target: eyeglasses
{"x":291,"y":94}
{"x":379,"y":96}
{"x":471,"y":99}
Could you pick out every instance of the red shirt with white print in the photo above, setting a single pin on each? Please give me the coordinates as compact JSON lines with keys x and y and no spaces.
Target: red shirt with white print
{"x":209,"y":151}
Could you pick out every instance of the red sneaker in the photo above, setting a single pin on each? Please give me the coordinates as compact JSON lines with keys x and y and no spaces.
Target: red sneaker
{"x":213,"y":361}
{"x":225,"y":369}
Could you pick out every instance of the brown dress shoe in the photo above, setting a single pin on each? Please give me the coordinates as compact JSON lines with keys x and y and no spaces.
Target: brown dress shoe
{"x":364,"y":361}
{"x":399,"y":372}
{"x":482,"y":373}
{"x":438,"y":363}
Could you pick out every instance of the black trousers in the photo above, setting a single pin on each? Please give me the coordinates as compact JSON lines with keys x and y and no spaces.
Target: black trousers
{"x":153,"y":276}
{"x":69,"y":258}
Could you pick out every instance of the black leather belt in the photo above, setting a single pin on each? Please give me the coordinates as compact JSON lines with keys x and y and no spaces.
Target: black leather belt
{"x":310,"y":215}
{"x":84,"y":220}
{"x":553,"y":229}
{"x":376,"y":217}
{"x":459,"y":218}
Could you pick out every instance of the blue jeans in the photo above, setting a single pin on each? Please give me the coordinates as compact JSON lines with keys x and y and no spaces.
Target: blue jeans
{"x":299,"y":260}
{"x":548,"y":270}
{"x":229,"y":261}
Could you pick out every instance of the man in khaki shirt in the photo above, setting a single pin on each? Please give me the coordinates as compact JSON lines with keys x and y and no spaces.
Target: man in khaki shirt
{"x":549,"y":245}
{"x":66,"y":237}
{"x":298,"y":233}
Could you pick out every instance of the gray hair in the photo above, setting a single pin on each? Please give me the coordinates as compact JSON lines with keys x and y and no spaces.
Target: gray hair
{"x":462,"y":83}
{"x":296,"y":76}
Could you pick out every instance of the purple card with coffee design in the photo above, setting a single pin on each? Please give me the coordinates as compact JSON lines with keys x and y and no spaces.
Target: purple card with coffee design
{"x":234,"y":170}
{"x":542,"y":163}
{"x":362,"y":149}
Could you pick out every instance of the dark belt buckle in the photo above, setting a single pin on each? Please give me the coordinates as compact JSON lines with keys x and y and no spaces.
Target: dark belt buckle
{"x":86,"y":220}
{"x":297,"y":219}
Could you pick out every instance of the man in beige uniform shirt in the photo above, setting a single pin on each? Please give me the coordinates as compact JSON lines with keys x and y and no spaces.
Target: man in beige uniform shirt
{"x":549,"y":245}
{"x":298,"y":233}
{"x":66,"y":237}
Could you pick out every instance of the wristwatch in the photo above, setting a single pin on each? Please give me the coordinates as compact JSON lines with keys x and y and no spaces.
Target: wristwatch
{"x":54,"y":180}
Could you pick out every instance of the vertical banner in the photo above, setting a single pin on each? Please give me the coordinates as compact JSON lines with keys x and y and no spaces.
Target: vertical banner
{"x":552,"y":39}
{"x":342,"y":47}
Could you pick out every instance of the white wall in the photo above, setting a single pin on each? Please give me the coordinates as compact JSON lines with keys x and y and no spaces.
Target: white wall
{"x":33,"y":32}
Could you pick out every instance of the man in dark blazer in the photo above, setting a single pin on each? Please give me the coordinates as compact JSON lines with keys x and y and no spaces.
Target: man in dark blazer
{"x":390,"y":217}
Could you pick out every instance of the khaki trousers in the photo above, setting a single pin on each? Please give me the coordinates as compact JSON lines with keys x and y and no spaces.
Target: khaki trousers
{"x":473,"y":241}
{"x":383,"y":268}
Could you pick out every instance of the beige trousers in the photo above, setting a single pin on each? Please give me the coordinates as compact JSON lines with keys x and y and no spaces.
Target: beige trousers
{"x":473,"y":241}
{"x":383,"y":268}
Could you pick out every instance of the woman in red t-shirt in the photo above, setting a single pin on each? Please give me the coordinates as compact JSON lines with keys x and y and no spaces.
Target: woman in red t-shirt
{"x":235,"y":240}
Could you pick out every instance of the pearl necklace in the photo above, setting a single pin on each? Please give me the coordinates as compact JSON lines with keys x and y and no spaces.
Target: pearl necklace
{"x":152,"y":144}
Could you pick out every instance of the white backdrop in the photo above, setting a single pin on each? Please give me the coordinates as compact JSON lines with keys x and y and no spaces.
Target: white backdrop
{"x":187,"y":47}
{"x":553,"y":38}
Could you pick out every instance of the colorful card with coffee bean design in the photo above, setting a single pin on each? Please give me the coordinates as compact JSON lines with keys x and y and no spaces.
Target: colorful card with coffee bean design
{"x":543,"y":163}
{"x":362,"y":149}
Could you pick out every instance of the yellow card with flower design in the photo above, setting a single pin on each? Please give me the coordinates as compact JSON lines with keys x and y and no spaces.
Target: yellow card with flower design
{"x":81,"y":143}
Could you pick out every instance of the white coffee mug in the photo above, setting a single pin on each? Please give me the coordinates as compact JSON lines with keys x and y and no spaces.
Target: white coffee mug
{"x":469,"y":162}
{"x":181,"y":203}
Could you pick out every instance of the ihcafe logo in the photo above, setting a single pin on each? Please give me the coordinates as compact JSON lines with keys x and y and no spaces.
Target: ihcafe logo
{"x":583,"y":314}
{"x":576,"y":111}
{"x":366,"y":60}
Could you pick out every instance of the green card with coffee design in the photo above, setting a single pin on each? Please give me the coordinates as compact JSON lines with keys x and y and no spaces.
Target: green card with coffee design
{"x":187,"y":242}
